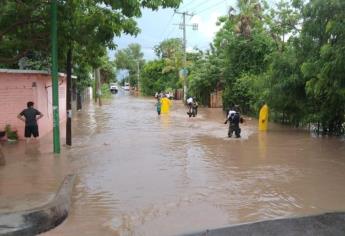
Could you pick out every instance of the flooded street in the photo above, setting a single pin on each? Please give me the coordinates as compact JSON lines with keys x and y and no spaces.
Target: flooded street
{"x":140,"y":174}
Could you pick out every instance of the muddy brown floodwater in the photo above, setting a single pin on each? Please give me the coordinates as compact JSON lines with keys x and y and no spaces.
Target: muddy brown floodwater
{"x":140,"y":174}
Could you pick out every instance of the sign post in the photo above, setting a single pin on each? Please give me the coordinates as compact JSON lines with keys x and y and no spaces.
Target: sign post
{"x":183,"y":73}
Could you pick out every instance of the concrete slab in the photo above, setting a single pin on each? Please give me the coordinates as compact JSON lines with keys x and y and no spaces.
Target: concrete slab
{"x":24,"y":202}
{"x":39,"y":219}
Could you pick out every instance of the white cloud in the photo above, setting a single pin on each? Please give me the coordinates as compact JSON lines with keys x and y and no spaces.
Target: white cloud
{"x":189,"y":49}
{"x":207,"y":27}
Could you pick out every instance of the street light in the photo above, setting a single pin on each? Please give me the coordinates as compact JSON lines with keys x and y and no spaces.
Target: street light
{"x":138,"y":75}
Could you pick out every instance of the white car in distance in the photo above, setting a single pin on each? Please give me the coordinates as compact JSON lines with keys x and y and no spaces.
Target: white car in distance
{"x":114,"y":88}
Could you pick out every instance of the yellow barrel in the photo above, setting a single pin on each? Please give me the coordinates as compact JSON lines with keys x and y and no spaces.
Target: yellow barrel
{"x":263,"y":118}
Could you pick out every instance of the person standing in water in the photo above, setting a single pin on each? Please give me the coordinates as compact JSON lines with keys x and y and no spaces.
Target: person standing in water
{"x":234,"y":119}
{"x":31,"y":116}
{"x":158,"y":106}
{"x":190,"y":105}
{"x":195,"y":105}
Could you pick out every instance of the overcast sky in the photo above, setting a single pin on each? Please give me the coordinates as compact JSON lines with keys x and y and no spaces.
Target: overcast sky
{"x":162,"y":24}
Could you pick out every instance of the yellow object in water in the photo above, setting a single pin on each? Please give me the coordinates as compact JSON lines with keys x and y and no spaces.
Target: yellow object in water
{"x":263,"y":118}
{"x":166,"y":103}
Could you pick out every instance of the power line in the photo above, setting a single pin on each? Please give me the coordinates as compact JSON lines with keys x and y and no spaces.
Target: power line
{"x":169,"y":22}
{"x":210,"y":7}
{"x":187,"y":4}
{"x":197,"y":6}
{"x":172,"y":30}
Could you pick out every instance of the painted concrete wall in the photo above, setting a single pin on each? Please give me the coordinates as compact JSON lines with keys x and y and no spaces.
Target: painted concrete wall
{"x":17,"y":87}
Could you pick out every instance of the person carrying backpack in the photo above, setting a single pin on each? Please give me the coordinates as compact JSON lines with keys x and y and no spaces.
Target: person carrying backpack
{"x":234,"y":119}
{"x":195,"y":106}
{"x":190,"y":102}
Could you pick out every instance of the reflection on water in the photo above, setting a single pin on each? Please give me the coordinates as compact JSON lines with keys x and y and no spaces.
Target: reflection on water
{"x":262,"y":143}
{"x":2,"y":157}
{"x":140,"y":174}
{"x":32,"y":149}
{"x":165,"y":120}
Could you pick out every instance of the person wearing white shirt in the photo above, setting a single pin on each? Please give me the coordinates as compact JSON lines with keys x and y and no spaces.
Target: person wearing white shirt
{"x":190,"y":104}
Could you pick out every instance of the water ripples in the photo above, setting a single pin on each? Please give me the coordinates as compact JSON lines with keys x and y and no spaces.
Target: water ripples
{"x":140,"y":174}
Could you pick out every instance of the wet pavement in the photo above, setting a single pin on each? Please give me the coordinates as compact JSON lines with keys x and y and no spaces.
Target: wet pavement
{"x":140,"y":174}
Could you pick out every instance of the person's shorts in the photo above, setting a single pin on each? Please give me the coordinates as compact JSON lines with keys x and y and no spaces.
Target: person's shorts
{"x":31,"y":130}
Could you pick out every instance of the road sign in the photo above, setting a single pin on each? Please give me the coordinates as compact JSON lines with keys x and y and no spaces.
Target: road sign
{"x":183,"y":73}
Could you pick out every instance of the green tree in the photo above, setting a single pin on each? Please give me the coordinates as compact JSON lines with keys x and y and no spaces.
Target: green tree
{"x":24,"y":27}
{"x":131,"y":59}
{"x":287,"y":96}
{"x":24,"y":30}
{"x":169,"y":48}
{"x":283,"y":22}
{"x":249,"y":17}
{"x":153,"y":79}
{"x":206,"y":75}
{"x":171,"y":51}
{"x":243,"y":44}
{"x":322,"y":43}
{"x":286,"y":85}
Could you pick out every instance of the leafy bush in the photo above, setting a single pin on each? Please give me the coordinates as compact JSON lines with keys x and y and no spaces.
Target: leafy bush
{"x":10,"y":133}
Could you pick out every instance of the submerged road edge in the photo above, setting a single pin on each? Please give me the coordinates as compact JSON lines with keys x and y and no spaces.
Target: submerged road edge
{"x":40,"y":219}
{"x":327,"y":224}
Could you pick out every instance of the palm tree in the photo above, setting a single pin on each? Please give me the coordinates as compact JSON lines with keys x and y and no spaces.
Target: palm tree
{"x":250,"y":11}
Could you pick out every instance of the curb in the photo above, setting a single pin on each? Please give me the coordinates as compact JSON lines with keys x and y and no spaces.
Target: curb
{"x":327,"y":224}
{"x":40,"y":219}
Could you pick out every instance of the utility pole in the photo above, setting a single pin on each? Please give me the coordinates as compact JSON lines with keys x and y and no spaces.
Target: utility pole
{"x":55,"y":82}
{"x":183,"y":27}
{"x":138,"y":74}
{"x":98,"y":86}
{"x":95,"y":96}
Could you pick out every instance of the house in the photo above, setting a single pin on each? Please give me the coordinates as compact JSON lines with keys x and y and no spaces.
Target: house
{"x":17,"y":87}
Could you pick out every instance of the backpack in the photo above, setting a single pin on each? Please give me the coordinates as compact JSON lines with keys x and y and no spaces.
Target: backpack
{"x":235,"y":118}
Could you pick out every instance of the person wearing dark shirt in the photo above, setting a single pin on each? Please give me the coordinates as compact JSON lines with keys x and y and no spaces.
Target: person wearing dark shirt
{"x":235,"y":119}
{"x":31,"y":115}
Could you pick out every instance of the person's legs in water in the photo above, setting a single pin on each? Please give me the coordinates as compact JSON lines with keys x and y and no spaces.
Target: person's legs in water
{"x":194,"y":110}
{"x":238,"y":131}
{"x":231,"y":130}
{"x":31,"y":131}
{"x":27,"y":134}
{"x":158,"y":110}
{"x":189,"y":112}
{"x":190,"y":107}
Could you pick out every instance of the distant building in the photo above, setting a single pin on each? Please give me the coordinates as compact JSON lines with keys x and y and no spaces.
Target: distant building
{"x":17,"y":87}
